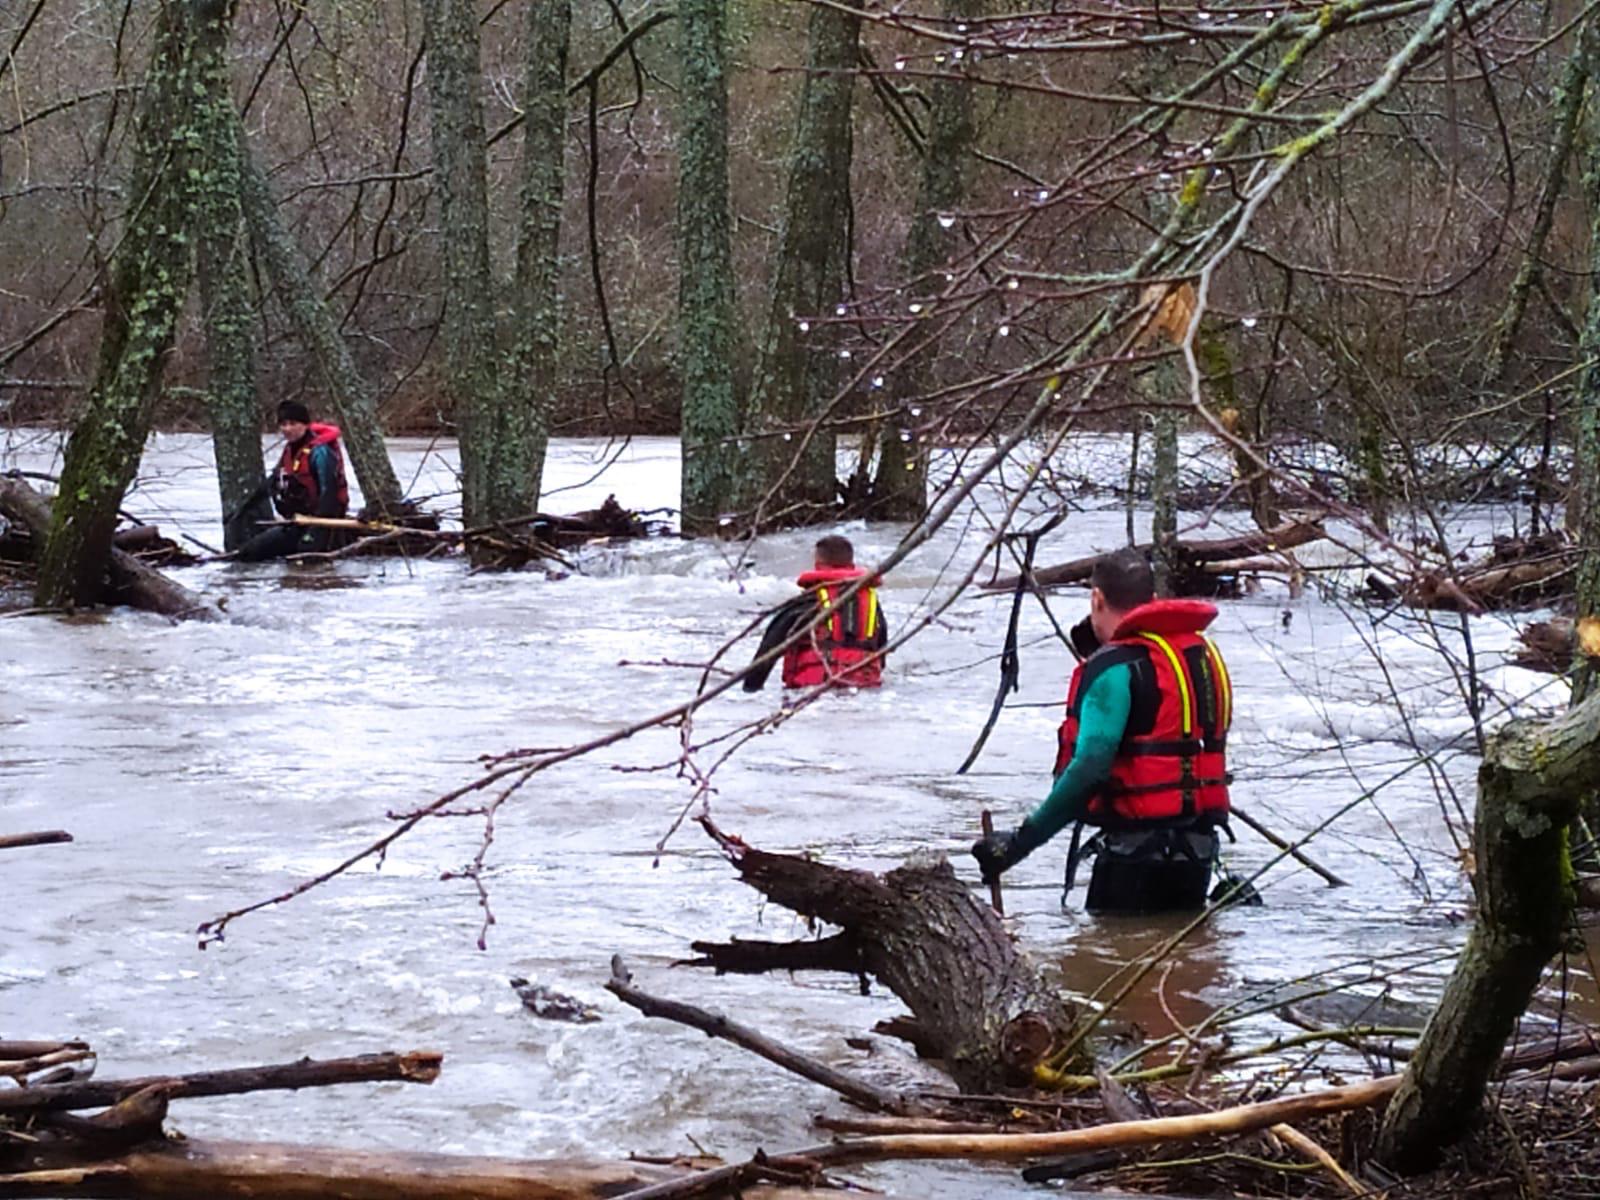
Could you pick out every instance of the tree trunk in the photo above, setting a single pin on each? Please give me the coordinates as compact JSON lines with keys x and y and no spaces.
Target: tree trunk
{"x":1586,"y":484}
{"x":223,"y":267}
{"x":1568,"y":105}
{"x":301,"y":299}
{"x":219,"y":1170}
{"x":977,"y":999}
{"x":797,"y":375}
{"x":128,"y":580}
{"x":713,"y":466}
{"x":1528,"y":789}
{"x":148,"y":282}
{"x":1162,"y":386}
{"x":899,"y":487}
{"x":517,"y":455}
{"x":459,"y":162}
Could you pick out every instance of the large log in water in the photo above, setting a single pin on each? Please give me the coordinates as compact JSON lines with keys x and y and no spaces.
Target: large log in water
{"x":129,"y":581}
{"x":206,"y":1170}
{"x":1191,"y":554}
{"x":979,"y":1002}
{"x":1532,"y":778}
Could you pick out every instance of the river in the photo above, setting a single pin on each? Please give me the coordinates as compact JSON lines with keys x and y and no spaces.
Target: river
{"x":205,"y":766}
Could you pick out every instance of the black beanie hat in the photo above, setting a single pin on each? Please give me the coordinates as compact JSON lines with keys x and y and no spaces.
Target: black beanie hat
{"x":293,"y":410}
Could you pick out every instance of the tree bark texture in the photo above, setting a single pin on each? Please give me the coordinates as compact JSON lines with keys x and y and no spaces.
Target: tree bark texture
{"x":899,"y":487}
{"x":459,"y":164}
{"x":713,"y":466}
{"x":346,"y":389}
{"x":127,"y":580}
{"x":797,"y":373}
{"x":148,"y":282}
{"x":1528,"y":790}
{"x":924,"y":934}
{"x":223,"y":267}
{"x":220,"y":1170}
{"x":1586,"y":489}
{"x":523,"y":418}
{"x":1162,"y":386}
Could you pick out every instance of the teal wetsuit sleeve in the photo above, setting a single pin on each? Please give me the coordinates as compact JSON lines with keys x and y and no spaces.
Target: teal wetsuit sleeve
{"x":1103,"y":719}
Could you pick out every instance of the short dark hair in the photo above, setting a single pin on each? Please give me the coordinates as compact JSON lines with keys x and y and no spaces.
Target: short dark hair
{"x":1125,"y":578}
{"x":293,"y":410}
{"x":835,"y":551}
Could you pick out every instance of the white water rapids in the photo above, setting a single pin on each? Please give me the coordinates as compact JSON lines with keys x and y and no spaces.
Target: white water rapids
{"x":205,"y":766}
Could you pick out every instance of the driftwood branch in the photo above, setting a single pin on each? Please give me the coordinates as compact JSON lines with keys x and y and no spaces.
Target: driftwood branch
{"x":718,"y":1026}
{"x":1193,"y":551}
{"x":47,"y":837}
{"x":220,"y":1170}
{"x":416,"y":1066}
{"x":1012,"y":1147}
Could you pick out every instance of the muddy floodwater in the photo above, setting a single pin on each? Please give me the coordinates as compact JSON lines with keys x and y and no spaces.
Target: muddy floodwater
{"x":202,"y":767}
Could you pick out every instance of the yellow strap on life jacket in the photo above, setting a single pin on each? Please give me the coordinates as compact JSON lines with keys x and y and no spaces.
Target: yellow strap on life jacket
{"x":869,"y":596}
{"x":1181,"y":673}
{"x":1224,"y":686}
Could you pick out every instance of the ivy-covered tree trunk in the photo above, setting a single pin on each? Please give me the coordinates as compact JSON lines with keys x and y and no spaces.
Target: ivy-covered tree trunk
{"x":346,"y":389}
{"x":223,"y":266}
{"x":899,"y":487}
{"x":517,"y":453}
{"x":148,"y":282}
{"x":1528,"y":789}
{"x":459,"y":156}
{"x":713,"y":467}
{"x":797,"y":374}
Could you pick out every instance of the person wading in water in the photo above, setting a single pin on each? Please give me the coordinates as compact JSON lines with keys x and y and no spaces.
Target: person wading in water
{"x":846,"y":635}
{"x":309,"y":480}
{"x":1141,"y":753}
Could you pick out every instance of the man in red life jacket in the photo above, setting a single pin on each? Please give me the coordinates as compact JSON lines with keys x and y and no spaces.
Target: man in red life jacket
{"x":844,"y":633}
{"x":309,"y":480}
{"x":1142,"y":749}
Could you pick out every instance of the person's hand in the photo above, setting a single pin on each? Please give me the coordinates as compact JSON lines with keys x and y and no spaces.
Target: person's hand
{"x":999,"y":852}
{"x":1083,"y":638}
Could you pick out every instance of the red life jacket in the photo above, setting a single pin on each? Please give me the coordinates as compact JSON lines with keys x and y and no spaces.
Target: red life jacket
{"x":296,"y":483}
{"x":1172,"y":762}
{"x":842,"y":645}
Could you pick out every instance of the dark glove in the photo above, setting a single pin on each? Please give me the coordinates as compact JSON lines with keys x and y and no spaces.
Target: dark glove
{"x":1083,"y":638}
{"x":999,"y":852}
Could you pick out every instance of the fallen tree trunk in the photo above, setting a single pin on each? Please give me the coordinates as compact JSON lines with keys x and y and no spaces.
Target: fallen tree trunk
{"x":129,"y":581}
{"x":220,"y":1170}
{"x":417,"y":1066}
{"x":1529,"y":786}
{"x":1190,"y":554}
{"x":978,"y":1000}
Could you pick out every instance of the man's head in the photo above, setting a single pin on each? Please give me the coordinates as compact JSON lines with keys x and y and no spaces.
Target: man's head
{"x":1119,"y":583}
{"x":835,"y":551}
{"x":294,"y":419}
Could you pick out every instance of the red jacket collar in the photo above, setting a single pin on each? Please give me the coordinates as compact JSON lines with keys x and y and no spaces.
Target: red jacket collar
{"x":818,"y":576}
{"x":1166,"y":616}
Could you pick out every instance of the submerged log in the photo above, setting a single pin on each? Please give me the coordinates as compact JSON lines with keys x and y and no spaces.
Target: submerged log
{"x":1529,"y":786}
{"x":1191,"y":556}
{"x":978,"y":999}
{"x":129,"y":581}
{"x":45,"y":837}
{"x":221,"y":1170}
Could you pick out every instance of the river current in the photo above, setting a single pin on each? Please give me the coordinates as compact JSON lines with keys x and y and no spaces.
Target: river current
{"x":202,"y":767}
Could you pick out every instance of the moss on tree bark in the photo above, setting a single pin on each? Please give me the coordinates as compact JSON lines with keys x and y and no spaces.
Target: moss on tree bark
{"x":1528,"y":789}
{"x":148,"y":283}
